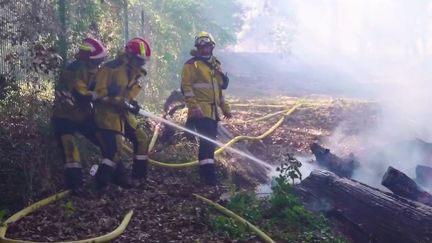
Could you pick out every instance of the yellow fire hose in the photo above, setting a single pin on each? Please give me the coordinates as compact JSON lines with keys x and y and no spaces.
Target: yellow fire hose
{"x":239,"y":219}
{"x":231,"y":142}
{"x":255,"y":105}
{"x":261,"y":118}
{"x":17,"y":216}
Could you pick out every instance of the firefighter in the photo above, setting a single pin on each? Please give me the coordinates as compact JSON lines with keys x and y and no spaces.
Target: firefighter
{"x":72,"y":111}
{"x":202,"y":84}
{"x":117,"y":86}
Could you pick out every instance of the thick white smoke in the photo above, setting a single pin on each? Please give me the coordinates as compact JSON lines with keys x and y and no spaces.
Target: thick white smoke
{"x":375,"y":49}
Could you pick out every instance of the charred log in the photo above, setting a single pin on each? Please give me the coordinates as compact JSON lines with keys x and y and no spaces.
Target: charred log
{"x":364,"y":213}
{"x":401,"y":185}
{"x":339,"y":166}
{"x":424,"y":175}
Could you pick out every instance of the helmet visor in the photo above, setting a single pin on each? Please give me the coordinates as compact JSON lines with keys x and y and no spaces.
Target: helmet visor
{"x":203,"y":41}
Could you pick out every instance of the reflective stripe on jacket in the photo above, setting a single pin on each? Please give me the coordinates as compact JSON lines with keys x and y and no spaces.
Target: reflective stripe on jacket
{"x":116,"y":82}
{"x":201,"y":87}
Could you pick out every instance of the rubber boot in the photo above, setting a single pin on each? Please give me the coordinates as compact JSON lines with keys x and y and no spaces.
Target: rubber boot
{"x":104,"y":175}
{"x":207,"y":174}
{"x":73,"y":178}
{"x":120,"y":176}
{"x":139,"y":169}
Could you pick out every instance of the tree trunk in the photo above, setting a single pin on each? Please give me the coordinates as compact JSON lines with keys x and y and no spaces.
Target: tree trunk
{"x":400,"y":184}
{"x":126,"y":20}
{"x":364,"y":213}
{"x":62,"y":43}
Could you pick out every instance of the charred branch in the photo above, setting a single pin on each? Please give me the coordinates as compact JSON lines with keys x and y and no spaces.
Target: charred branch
{"x":401,"y":185}
{"x":337,"y":165}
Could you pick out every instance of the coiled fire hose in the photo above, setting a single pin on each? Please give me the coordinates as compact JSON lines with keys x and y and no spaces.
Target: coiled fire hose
{"x":17,"y":216}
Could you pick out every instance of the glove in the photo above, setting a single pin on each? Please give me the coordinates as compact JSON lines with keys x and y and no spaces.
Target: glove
{"x":195,"y":112}
{"x":93,"y":95}
{"x":225,"y":81}
{"x":134,"y":108}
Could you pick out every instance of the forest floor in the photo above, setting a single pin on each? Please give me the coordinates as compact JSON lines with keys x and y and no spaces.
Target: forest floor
{"x":164,"y":208}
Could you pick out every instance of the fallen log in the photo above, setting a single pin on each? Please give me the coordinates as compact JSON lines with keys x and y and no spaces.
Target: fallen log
{"x":363,"y":213}
{"x":337,"y":165}
{"x":424,"y":175}
{"x":401,"y":185}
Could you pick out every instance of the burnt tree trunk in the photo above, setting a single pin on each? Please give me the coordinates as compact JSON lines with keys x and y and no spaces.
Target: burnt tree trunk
{"x":400,"y":184}
{"x":337,"y":165}
{"x":424,"y":175}
{"x":364,"y":213}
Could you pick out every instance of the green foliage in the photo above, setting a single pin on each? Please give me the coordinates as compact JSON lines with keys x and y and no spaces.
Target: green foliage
{"x":170,"y":26}
{"x":246,"y":204}
{"x":290,"y":169}
{"x":229,"y":228}
{"x":281,"y":215}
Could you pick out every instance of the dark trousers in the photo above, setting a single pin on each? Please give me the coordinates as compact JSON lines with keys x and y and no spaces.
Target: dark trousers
{"x":208,"y":128}
{"x":65,"y":129}
{"x":112,"y":142}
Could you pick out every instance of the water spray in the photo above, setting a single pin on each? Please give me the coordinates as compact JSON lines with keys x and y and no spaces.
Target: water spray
{"x":169,"y":123}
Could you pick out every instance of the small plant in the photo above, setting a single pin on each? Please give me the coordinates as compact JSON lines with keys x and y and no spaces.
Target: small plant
{"x":245,"y":204}
{"x":229,"y":228}
{"x":282,"y":216}
{"x":69,"y":209}
{"x":290,"y":169}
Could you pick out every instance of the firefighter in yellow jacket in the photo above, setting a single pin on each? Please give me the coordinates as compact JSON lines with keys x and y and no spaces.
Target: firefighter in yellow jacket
{"x":117,"y":84}
{"x":72,"y":111}
{"x":202,"y":84}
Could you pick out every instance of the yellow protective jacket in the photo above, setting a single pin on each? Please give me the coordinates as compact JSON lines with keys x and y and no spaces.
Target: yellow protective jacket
{"x":116,"y":82}
{"x":202,"y":87}
{"x":72,"y":97}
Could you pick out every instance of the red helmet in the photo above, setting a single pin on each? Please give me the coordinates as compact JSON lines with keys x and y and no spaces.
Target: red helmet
{"x":138,"y":47}
{"x":92,"y":49}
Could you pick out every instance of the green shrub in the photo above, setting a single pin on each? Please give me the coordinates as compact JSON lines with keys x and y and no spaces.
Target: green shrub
{"x":281,"y":216}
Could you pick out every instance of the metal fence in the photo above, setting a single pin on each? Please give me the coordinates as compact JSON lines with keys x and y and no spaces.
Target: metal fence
{"x":10,"y":46}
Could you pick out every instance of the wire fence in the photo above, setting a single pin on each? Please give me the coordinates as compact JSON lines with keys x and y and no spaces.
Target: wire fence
{"x":29,"y":27}
{"x":10,"y":46}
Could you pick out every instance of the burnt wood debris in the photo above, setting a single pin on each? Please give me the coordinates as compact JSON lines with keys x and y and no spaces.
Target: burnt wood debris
{"x":400,"y":184}
{"x":364,"y":213}
{"x":339,"y":166}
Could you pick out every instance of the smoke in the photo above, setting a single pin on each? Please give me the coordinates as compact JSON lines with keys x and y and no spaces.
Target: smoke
{"x":378,"y":50}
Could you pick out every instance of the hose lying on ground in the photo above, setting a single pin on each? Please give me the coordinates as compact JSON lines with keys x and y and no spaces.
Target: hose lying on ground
{"x":239,"y":219}
{"x":17,"y":216}
{"x":231,"y":142}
